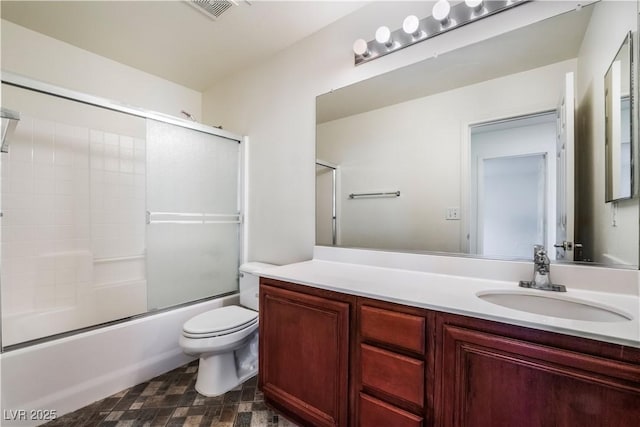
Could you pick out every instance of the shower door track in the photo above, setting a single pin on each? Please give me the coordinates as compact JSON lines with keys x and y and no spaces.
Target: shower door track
{"x":102,"y":325}
{"x":23,"y":82}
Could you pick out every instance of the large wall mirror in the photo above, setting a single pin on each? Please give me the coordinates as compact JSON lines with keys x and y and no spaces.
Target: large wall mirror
{"x":618,"y":86}
{"x":483,"y":151}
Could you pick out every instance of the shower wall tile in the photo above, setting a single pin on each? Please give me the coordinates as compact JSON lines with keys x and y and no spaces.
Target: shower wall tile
{"x":117,"y":229}
{"x":43,"y":141}
{"x":21,"y":150}
{"x":69,"y":195}
{"x":44,"y":172}
{"x":25,"y":295}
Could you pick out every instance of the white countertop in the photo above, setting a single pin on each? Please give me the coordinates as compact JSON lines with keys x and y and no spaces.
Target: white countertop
{"x":457,"y":294}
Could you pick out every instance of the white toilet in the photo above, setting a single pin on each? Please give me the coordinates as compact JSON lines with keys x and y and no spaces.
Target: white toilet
{"x":226,"y":338}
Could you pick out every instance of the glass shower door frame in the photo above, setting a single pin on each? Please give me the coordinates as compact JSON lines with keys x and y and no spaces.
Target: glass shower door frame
{"x":30,"y":84}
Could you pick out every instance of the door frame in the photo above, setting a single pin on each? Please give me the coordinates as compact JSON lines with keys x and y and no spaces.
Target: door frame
{"x":465,"y":160}
{"x":335,"y":171}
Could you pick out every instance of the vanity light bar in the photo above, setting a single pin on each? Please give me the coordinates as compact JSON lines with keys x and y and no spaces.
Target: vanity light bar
{"x":443,"y":18}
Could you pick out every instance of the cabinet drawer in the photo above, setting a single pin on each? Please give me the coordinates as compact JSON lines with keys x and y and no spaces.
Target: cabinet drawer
{"x":376,"y":413}
{"x":389,"y":327}
{"x":392,"y":374}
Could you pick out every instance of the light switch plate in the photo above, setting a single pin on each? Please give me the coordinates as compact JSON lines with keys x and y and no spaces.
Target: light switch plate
{"x":452,"y":214}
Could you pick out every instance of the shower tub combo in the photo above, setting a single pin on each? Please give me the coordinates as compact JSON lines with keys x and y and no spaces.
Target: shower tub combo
{"x":116,"y":222}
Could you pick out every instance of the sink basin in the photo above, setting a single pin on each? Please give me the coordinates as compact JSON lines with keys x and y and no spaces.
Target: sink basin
{"x":554,"y":306}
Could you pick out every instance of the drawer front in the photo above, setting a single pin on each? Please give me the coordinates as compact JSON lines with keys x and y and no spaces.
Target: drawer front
{"x":376,"y":413}
{"x":392,"y":374}
{"x":402,"y":330}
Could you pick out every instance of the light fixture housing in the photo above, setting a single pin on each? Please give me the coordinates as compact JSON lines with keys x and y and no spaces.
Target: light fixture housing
{"x":444,"y":18}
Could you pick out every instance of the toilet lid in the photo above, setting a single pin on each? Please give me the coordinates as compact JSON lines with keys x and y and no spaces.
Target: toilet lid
{"x":220,"y":320}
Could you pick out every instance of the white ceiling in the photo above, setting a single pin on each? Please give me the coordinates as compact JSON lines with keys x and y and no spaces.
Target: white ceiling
{"x":171,"y":39}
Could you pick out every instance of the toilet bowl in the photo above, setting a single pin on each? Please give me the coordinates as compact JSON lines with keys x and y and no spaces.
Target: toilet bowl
{"x":226,"y":339}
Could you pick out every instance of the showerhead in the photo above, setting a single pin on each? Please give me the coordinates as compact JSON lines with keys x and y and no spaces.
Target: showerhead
{"x":188,"y":115}
{"x":10,"y":120}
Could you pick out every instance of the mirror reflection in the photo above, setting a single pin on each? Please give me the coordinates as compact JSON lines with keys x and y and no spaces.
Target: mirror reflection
{"x":485,"y":150}
{"x":619,"y":124}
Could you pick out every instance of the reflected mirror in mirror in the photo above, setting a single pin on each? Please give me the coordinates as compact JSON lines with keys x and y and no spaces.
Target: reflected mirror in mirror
{"x":483,"y":151}
{"x":619,"y":124}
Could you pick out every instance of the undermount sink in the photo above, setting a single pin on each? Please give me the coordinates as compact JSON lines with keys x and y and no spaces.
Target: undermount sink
{"x":554,"y":306}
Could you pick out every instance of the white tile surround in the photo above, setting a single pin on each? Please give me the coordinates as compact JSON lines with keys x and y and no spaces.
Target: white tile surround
{"x":72,"y":228}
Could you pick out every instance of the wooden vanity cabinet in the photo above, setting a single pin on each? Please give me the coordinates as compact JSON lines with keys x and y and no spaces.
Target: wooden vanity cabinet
{"x":497,"y":375}
{"x":331,"y":359}
{"x":304,"y":353}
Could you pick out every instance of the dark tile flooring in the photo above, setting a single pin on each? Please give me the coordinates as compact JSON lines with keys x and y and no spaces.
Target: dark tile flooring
{"x":171,"y":400}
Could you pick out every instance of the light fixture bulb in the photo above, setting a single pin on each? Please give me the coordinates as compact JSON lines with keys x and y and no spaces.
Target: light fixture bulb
{"x":440,"y":11}
{"x":383,"y":35}
{"x":360,"y":47}
{"x":411,"y":24}
{"x":473,"y":4}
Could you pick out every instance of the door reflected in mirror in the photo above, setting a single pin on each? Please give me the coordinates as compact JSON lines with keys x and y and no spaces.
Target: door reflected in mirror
{"x":619,"y":124}
{"x":512,"y":203}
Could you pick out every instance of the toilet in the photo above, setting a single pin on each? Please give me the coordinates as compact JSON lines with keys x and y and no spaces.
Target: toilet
{"x":226,"y":338}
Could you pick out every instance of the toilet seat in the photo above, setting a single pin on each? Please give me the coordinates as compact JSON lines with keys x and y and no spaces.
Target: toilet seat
{"x":219,"y":322}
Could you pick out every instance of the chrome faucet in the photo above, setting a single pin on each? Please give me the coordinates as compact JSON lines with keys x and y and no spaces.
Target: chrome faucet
{"x":541,"y":273}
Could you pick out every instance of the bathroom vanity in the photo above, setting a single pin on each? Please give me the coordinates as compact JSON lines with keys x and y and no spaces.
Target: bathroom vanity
{"x":345,"y":358}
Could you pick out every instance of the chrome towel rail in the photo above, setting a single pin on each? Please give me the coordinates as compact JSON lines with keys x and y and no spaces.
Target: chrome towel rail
{"x":381,"y":194}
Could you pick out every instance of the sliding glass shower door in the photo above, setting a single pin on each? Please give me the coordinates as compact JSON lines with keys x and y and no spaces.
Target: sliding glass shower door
{"x":193,"y":215}
{"x":109,"y":212}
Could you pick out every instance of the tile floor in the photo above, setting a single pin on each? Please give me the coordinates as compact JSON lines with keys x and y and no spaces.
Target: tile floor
{"x":170,"y":400}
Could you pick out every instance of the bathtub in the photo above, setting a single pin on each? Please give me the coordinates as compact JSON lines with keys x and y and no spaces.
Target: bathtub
{"x":98,"y":304}
{"x":68,"y":373}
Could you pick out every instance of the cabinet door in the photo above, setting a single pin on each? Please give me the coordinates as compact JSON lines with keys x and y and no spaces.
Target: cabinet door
{"x":304,"y":355}
{"x":493,"y":381}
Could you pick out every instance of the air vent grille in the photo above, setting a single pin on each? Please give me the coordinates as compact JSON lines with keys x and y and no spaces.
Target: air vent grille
{"x":212,"y":8}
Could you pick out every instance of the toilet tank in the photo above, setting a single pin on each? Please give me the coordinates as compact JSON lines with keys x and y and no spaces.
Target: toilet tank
{"x":249,"y":281}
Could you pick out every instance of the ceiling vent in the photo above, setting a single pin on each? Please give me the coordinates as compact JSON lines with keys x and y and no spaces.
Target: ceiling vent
{"x":212,"y":8}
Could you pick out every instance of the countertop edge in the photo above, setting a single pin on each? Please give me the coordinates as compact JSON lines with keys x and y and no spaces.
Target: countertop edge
{"x":593,"y":335}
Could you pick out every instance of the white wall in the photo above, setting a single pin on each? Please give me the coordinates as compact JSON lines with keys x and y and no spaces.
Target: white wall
{"x":594,"y":216}
{"x":421,"y":148}
{"x":274,"y":104}
{"x":40,"y":57}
